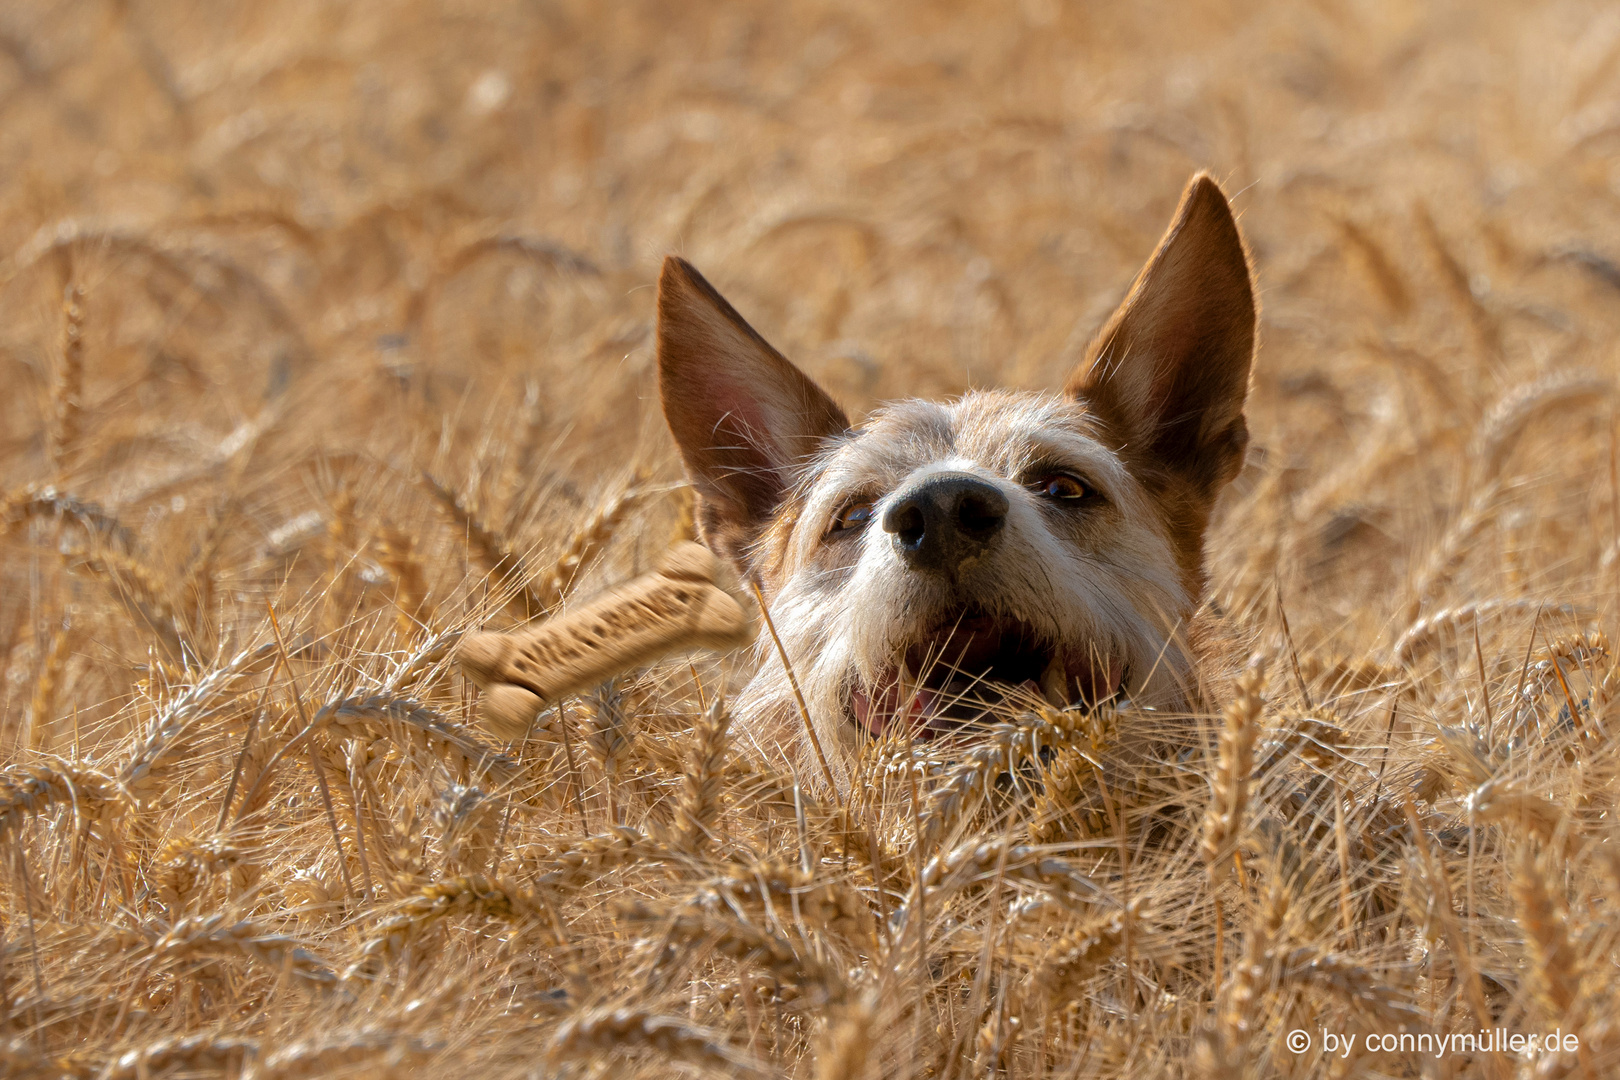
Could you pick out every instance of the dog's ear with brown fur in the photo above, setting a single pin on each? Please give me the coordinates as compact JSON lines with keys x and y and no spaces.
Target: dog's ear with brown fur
{"x":1170,"y":370}
{"x":740,"y":412}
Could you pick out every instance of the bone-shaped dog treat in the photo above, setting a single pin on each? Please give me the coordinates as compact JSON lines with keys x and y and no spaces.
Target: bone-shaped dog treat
{"x":692,"y":601}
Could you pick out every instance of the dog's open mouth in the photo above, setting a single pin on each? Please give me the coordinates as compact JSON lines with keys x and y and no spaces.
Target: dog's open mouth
{"x":973,"y":663}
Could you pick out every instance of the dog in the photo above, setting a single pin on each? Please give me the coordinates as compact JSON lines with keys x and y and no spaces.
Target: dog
{"x":944,"y":560}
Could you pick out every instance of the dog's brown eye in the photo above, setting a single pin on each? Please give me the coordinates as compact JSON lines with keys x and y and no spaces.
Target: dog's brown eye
{"x":1060,"y":486}
{"x":853,"y":516}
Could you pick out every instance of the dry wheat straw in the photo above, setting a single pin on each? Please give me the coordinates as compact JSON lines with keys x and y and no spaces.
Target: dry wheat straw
{"x":1505,"y":423}
{"x":322,"y":1055}
{"x":143,"y":589}
{"x":47,"y":502}
{"x":610,"y":733}
{"x":413,"y":725}
{"x":467,"y":822}
{"x":1063,"y":801}
{"x":1422,"y":634}
{"x":21,"y":1060}
{"x":396,"y":551}
{"x":1355,"y":982}
{"x":435,"y":649}
{"x":1077,"y":955}
{"x":1225,"y":1051}
{"x":1004,"y":860}
{"x":1498,"y":433}
{"x":818,"y":901}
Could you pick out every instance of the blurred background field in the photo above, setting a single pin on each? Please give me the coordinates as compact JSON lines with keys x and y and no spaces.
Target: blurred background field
{"x":347,"y":308}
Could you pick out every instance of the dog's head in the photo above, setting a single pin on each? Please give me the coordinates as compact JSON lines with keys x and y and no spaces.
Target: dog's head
{"x":946,"y":556}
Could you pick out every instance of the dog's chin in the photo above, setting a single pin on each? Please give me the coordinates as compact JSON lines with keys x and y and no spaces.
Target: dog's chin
{"x":972,"y":666}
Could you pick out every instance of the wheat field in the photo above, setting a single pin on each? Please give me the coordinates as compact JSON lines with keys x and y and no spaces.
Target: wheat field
{"x":325,"y":331}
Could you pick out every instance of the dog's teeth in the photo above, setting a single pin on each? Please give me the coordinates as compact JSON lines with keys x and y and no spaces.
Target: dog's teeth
{"x":1053,"y":681}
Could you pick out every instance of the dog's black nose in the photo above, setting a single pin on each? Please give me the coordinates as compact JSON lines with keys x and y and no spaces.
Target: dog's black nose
{"x":945,"y":519}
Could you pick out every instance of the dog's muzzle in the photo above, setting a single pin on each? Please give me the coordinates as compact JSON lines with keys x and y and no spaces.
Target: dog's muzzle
{"x":944,"y":521}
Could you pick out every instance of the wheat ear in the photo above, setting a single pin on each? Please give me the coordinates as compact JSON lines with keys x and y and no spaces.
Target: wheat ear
{"x":212,"y":934}
{"x":491,"y":548}
{"x":29,"y":790}
{"x":192,"y":1052}
{"x":1555,"y":962}
{"x":698,"y":810}
{"x":1234,"y":764}
{"x":606,"y":1030}
{"x":588,"y":541}
{"x":68,"y":393}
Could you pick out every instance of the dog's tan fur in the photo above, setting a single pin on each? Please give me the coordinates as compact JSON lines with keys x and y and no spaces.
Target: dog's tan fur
{"x":1152,"y":420}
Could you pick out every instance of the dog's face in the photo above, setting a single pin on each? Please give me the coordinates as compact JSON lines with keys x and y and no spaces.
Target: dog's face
{"x":945,"y":557}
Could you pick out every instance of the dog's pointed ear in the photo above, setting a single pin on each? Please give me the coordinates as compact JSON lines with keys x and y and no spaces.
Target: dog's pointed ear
{"x":741,"y":413}
{"x":1170,"y":370}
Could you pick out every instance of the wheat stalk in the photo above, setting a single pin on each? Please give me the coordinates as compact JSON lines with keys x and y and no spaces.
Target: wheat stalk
{"x":409,"y":723}
{"x":466,"y":820}
{"x":847,"y":1045}
{"x":1354,"y":982}
{"x":1072,"y":960}
{"x":1224,"y":1051}
{"x":47,"y":502}
{"x":321,"y":1055}
{"x":610,"y":736}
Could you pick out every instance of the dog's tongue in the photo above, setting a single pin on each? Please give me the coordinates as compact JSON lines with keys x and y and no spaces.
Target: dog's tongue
{"x":876,"y":715}
{"x":926,"y":711}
